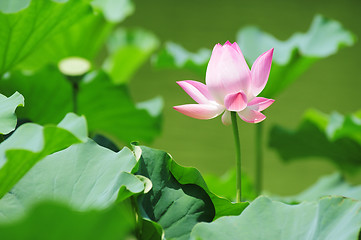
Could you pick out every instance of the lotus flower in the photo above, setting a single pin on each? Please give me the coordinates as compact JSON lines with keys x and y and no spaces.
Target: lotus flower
{"x":230,"y":87}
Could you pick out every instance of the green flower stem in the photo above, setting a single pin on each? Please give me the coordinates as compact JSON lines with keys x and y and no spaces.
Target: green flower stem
{"x":259,"y":158}
{"x":75,"y":87}
{"x":238,"y":155}
{"x":74,"y":81}
{"x":138,"y":218}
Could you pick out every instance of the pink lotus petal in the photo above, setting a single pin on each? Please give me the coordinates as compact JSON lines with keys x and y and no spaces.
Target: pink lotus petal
{"x":235,"y":102}
{"x":227,"y":72}
{"x":228,"y":43}
{"x":260,"y":71}
{"x":200,"y":111}
{"x":217,"y":50}
{"x":251,"y":116}
{"x":226,"y":118}
{"x":236,"y":47}
{"x":260,"y":103}
{"x":196,"y":90}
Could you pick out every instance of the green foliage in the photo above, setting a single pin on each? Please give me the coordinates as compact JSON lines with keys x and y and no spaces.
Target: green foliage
{"x":31,"y":142}
{"x":128,"y":51}
{"x":111,"y":112}
{"x":291,"y":57}
{"x":190,"y":175}
{"x":180,"y":197}
{"x":58,"y":222}
{"x":151,"y":230}
{"x":132,"y":185}
{"x":85,"y":176}
{"x":7,"y":111}
{"x":176,"y":207}
{"x":331,"y":185}
{"x":85,"y":38}
{"x":108,"y":109}
{"x":81,"y":33}
{"x":44,"y":90}
{"x":89,"y":187}
{"x":334,"y":137}
{"x":330,"y":218}
{"x":22,"y":31}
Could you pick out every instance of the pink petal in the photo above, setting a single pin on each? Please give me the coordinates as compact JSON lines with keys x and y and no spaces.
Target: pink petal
{"x":236,"y":47}
{"x":227,"y":72}
{"x":196,"y":90}
{"x":260,"y":71}
{"x":251,"y":116}
{"x":228,"y":43}
{"x":260,"y":103}
{"x":235,"y":102}
{"x":226,"y":118}
{"x":217,"y":50}
{"x":200,"y":111}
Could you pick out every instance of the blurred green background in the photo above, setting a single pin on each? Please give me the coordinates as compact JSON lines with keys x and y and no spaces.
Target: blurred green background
{"x":332,"y":84}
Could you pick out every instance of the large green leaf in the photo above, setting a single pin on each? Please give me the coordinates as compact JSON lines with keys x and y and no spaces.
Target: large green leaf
{"x":22,"y":31}
{"x":330,"y":218}
{"x":58,"y":222}
{"x":31,"y":142}
{"x":180,"y":198}
{"x":109,"y":109}
{"x":293,"y":56}
{"x":85,"y":176}
{"x":83,"y":39}
{"x":334,"y":137}
{"x":48,"y":95}
{"x":132,"y":185}
{"x":151,"y":230}
{"x":331,"y":185}
{"x":190,"y":175}
{"x":176,"y":207}
{"x":7,"y":111}
{"x":128,"y":49}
